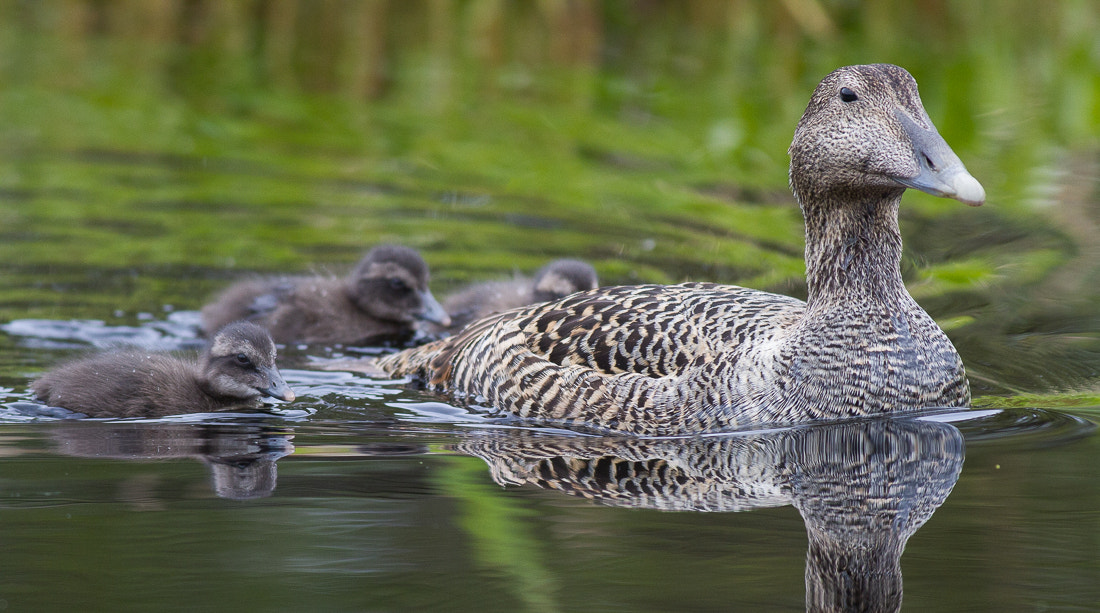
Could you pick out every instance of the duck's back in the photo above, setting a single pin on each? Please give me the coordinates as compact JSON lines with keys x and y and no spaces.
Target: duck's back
{"x":129,"y":383}
{"x":623,"y":358}
{"x":654,"y":330}
{"x":691,"y":358}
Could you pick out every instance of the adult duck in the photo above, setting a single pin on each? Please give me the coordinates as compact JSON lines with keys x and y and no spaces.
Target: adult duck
{"x":697,"y":357}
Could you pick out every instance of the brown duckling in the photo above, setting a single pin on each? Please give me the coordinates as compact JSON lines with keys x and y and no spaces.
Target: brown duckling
{"x":382,"y":297}
{"x":556,"y":280}
{"x":237,"y":367}
{"x":697,"y":357}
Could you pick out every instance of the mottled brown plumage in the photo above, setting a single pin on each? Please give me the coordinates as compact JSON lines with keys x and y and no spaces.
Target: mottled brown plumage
{"x":556,"y":280}
{"x":381,"y":298}
{"x":658,"y":360}
{"x":233,"y":372}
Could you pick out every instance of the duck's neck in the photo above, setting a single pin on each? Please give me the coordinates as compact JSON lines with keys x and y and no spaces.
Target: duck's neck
{"x":853,"y":249}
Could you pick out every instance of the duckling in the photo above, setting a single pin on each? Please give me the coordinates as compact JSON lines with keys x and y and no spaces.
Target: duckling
{"x":697,"y":357}
{"x":555,"y":280}
{"x":381,"y":298}
{"x":236,"y":368}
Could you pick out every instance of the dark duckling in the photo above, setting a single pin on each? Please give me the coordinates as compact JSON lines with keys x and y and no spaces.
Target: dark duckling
{"x":554,"y":281}
{"x":233,"y":372}
{"x":381,"y":298}
{"x":659,"y":360}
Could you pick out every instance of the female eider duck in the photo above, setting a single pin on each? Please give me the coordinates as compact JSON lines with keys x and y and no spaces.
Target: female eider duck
{"x":237,"y":367}
{"x":553,"y":281}
{"x":661,"y":360}
{"x":381,"y":298}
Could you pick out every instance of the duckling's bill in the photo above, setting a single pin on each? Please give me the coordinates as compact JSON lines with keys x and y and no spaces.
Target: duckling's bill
{"x":432,"y":311}
{"x":277,"y":387}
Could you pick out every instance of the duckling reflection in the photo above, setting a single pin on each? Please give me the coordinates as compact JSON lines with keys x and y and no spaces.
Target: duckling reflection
{"x":241,"y":458}
{"x":862,"y":488}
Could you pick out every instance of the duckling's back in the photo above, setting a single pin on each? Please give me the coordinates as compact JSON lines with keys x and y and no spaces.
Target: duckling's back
{"x":129,"y":383}
{"x":245,"y":301}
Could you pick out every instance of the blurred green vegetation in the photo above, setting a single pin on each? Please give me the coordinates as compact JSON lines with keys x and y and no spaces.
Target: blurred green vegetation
{"x":151,"y":150}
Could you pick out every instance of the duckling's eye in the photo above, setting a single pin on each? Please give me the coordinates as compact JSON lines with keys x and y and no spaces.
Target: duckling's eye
{"x":398,"y":285}
{"x":243,"y":359}
{"x":848,"y":95}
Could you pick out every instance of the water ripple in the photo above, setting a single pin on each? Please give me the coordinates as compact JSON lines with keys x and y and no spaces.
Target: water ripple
{"x":1030,"y":426}
{"x":178,"y":331}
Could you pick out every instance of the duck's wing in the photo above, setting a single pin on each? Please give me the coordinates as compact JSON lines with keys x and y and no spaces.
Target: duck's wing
{"x":610,"y":358}
{"x":651,"y":330}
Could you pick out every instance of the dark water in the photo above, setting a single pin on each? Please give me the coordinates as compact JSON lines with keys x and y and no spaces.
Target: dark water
{"x":363,"y":495}
{"x":151,"y":153}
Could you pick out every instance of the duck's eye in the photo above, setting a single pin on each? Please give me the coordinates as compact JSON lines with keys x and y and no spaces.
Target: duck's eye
{"x":398,"y":285}
{"x":243,"y":359}
{"x":848,"y":95}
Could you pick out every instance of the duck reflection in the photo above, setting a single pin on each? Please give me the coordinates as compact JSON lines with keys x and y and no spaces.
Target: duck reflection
{"x":862,"y":488}
{"x":241,"y":457}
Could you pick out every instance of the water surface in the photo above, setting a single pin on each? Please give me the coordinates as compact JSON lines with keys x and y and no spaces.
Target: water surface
{"x":151,"y":153}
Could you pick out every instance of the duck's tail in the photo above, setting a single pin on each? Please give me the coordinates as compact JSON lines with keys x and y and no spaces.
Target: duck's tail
{"x":431,"y":364}
{"x":415,"y":362}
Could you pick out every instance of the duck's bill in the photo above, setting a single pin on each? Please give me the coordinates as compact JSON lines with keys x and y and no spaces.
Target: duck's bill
{"x":433,"y":311}
{"x":277,"y":388}
{"x":954,"y":182}
{"x":941,"y":171}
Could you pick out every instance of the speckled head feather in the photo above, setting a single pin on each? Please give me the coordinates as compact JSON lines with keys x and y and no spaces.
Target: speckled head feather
{"x":866,"y":129}
{"x":560,"y":278}
{"x":391,"y":283}
{"x":660,"y":360}
{"x":390,"y":257}
{"x":243,"y":337}
{"x":240,"y":363}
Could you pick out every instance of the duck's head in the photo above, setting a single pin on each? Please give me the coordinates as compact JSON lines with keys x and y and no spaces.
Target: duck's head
{"x":240,"y":363}
{"x":560,"y":278}
{"x":391,"y":283}
{"x":865,"y":130}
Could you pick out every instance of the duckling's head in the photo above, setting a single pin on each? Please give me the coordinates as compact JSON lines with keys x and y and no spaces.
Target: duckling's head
{"x":391,"y":283}
{"x":560,"y":278}
{"x":866,"y":131}
{"x":240,"y":363}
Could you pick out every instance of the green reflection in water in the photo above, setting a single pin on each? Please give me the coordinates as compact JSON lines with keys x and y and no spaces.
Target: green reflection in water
{"x":502,"y":541}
